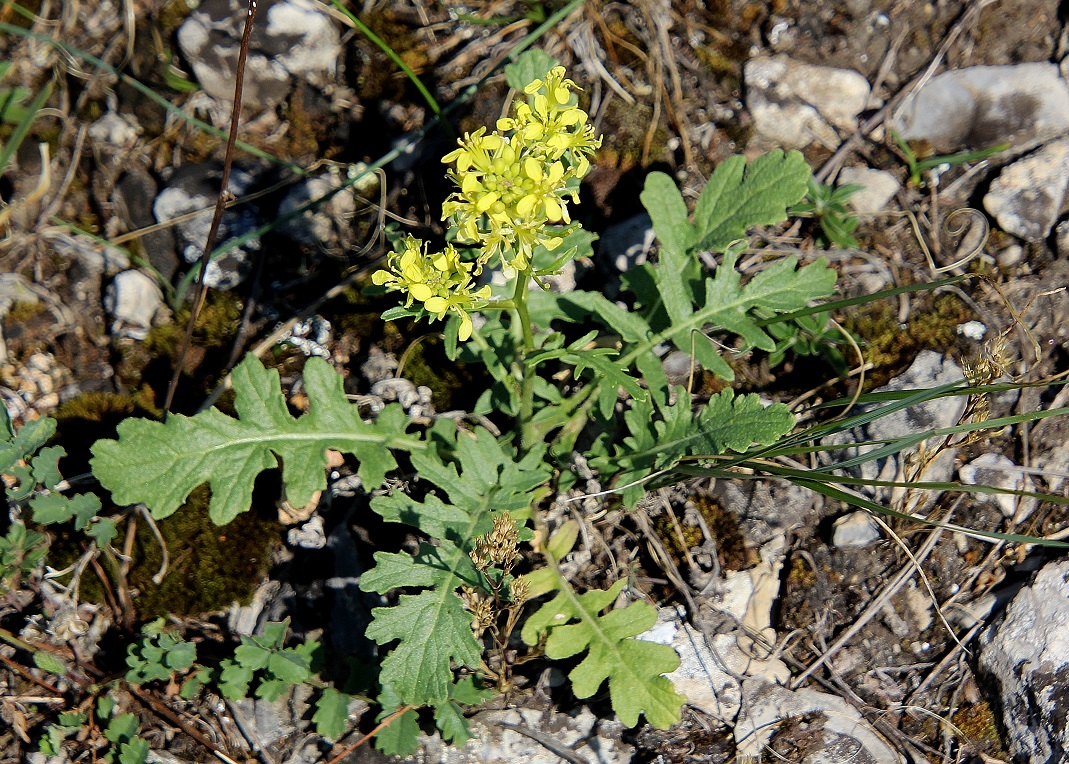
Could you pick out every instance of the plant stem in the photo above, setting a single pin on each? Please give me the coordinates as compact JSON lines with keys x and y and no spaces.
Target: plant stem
{"x":527,"y":375}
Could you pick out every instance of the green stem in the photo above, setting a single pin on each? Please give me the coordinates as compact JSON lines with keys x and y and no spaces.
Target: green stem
{"x":528,"y":436}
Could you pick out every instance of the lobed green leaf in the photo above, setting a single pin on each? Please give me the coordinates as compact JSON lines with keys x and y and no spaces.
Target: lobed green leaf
{"x":159,"y":464}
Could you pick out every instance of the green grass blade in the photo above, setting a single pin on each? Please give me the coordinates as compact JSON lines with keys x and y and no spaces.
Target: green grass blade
{"x":847,"y":497}
{"x":23,"y":127}
{"x":392,"y":55}
{"x":862,"y":299}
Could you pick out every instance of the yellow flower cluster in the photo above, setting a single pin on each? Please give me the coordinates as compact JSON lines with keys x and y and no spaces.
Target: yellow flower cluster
{"x":441,"y":281}
{"x":517,"y":180}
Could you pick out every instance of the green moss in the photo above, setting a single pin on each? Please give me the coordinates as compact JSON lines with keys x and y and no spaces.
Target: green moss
{"x":216,"y":326}
{"x":624,"y":131}
{"x":730,"y":543}
{"x":890,"y":346}
{"x":172,"y":16}
{"x":380,"y":77}
{"x":211,"y":566}
{"x":453,"y":384}
{"x":22,"y":312}
{"x":101,"y":407}
{"x":977,"y":722}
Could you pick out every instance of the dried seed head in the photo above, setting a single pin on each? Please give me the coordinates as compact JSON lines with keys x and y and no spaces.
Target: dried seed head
{"x":481,"y":608}
{"x":520,"y":591}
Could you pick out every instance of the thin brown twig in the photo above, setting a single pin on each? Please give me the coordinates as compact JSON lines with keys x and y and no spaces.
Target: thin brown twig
{"x":381,"y":726}
{"x":220,"y":204}
{"x":27,"y":674}
{"x":162,"y":710}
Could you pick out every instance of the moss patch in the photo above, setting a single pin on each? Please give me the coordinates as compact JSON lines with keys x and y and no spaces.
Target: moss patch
{"x":890,"y":346}
{"x":730,"y":542}
{"x":211,"y":566}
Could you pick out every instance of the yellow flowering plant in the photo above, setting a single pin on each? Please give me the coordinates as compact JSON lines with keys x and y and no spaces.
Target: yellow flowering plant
{"x":513,"y":189}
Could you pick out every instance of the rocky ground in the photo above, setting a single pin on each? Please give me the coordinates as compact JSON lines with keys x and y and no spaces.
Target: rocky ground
{"x":805,"y":631}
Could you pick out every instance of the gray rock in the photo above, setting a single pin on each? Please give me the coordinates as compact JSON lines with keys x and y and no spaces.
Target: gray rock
{"x":679,"y":367}
{"x":626,"y":244}
{"x":1026,"y":657}
{"x":194,"y":188}
{"x":308,"y":536}
{"x":981,"y":106}
{"x":929,"y":369}
{"x":1061,"y":238}
{"x":94,"y":260}
{"x":132,"y":299}
{"x":494,"y":742}
{"x":291,"y":39}
{"x":855,"y":530}
{"x":711,"y":668}
{"x":794,"y":104}
{"x":1027,"y":195}
{"x":115,"y":131}
{"x":827,"y":729}
{"x":14,"y":289}
{"x":268,"y":721}
{"x":328,"y":226}
{"x":998,"y":471}
{"x":133,"y":197}
{"x":766,"y":508}
{"x":879,"y":187}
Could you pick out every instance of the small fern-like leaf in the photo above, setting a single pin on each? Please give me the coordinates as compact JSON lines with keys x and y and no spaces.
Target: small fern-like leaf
{"x":159,"y":463}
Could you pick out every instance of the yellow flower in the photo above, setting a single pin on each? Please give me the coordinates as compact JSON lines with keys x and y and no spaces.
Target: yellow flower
{"x":552,"y":118}
{"x":514,"y":182}
{"x":441,"y":281}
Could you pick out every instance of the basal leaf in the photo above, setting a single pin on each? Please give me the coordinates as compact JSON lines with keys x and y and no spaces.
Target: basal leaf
{"x":252,"y":657}
{"x":669,"y":214}
{"x":533,"y":64}
{"x":737,"y":197}
{"x":401,"y":736}
{"x":632,"y":667}
{"x":434,"y":633}
{"x":51,"y":508}
{"x":158,"y":464}
{"x":45,"y":466}
{"x":83,"y":508}
{"x":50,"y":663}
{"x":134,"y":751}
{"x":289,"y":666}
{"x":103,"y":532}
{"x":272,"y":689}
{"x":122,"y":728}
{"x":725,"y":423}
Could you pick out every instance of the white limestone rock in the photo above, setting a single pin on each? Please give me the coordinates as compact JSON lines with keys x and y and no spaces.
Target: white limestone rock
{"x":981,"y":106}
{"x":793,"y":104}
{"x":1027,"y":195}
{"x":1026,"y":657}
{"x":132,"y":300}
{"x":855,"y":531}
{"x":878,"y":187}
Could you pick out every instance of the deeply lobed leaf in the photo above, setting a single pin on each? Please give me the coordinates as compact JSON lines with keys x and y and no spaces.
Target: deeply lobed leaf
{"x":158,"y":464}
{"x":432,"y":628}
{"x":632,"y":667}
